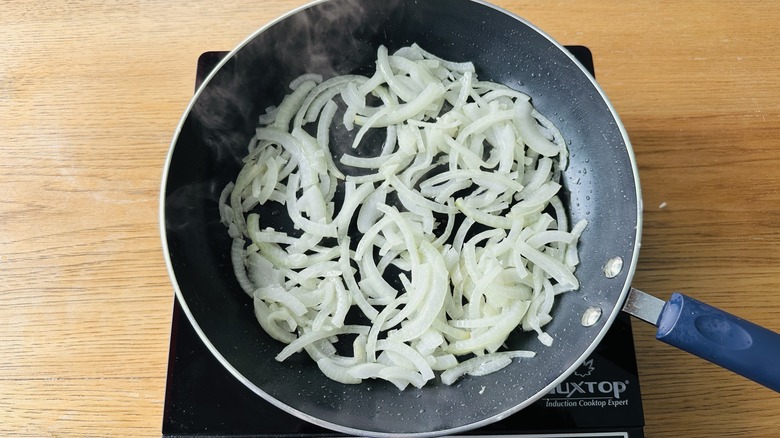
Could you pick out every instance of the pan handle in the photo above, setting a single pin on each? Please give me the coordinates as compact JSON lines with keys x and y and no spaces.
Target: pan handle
{"x":712,"y":334}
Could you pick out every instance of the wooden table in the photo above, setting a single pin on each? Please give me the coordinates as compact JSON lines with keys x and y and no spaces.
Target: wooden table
{"x":91,"y":92}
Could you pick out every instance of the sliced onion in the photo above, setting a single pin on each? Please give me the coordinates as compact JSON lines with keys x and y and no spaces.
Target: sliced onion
{"x":307,"y":338}
{"x":455,"y":149}
{"x":481,"y":365}
{"x":336,"y":372}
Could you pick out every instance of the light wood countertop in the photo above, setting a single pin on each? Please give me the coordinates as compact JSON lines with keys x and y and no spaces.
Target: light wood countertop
{"x":90,"y":95}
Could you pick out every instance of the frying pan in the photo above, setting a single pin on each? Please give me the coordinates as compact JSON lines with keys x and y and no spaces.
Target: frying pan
{"x":600,"y":184}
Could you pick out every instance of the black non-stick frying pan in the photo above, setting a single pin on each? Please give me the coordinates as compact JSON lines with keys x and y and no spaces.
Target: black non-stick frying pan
{"x":600,"y":184}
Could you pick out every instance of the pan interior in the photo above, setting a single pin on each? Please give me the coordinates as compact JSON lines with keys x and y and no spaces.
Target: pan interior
{"x":339,"y":37}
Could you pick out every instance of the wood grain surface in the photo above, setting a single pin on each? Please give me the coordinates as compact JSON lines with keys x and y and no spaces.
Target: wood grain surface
{"x":91,"y":93}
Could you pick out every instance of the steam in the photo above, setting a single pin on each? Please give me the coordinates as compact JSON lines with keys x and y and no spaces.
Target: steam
{"x":330,"y":38}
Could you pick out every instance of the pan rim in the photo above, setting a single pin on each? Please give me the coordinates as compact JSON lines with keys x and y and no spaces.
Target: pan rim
{"x":350,"y":430}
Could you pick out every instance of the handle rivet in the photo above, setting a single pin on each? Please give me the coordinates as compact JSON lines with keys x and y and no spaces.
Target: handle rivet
{"x":591,"y":316}
{"x":613,"y":267}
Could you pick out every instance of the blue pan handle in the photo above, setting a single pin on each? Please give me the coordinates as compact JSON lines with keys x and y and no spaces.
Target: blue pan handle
{"x":717,"y":336}
{"x":721,"y":338}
